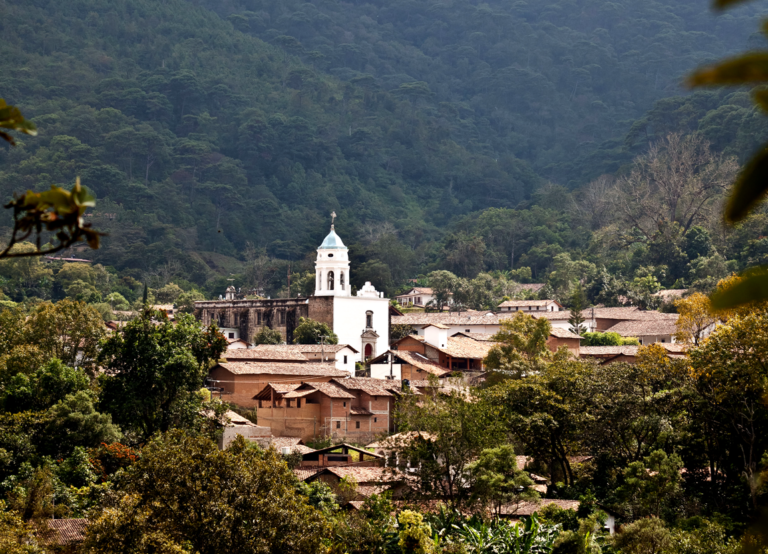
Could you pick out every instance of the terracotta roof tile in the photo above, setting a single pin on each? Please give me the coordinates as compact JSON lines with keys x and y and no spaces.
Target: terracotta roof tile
{"x":563,"y":333}
{"x":303,"y":474}
{"x":328,"y":389}
{"x":367,"y":475}
{"x":465,"y":347}
{"x":277,"y":368}
{"x":369,"y":385}
{"x":258,"y":354}
{"x":421,"y":362}
{"x":64,"y":532}
{"x":644,"y":327}
{"x":302,"y":347}
{"x":523,"y":303}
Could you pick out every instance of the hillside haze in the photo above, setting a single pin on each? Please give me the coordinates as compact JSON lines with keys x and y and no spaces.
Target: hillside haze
{"x":203,"y":126}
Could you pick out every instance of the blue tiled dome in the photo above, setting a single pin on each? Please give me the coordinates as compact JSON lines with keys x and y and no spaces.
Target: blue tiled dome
{"x":333,"y":241}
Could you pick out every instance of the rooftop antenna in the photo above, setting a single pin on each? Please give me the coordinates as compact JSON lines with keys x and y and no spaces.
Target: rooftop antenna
{"x":333,"y":217}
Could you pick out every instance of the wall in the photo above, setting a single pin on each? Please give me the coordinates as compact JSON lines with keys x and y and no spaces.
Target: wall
{"x":349,"y":322}
{"x":249,"y":316}
{"x":381,"y":371}
{"x":250,"y":432}
{"x":240,"y":389}
{"x":573,"y":345}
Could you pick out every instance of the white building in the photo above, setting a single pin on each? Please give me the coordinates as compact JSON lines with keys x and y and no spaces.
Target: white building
{"x":361,"y":321}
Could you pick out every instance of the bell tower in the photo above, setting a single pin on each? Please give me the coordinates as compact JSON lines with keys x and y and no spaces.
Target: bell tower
{"x":332,"y":266}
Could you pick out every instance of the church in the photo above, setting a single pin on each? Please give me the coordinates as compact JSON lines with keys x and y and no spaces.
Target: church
{"x":361,"y":321}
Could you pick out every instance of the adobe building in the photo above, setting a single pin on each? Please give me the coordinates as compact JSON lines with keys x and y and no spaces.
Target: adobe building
{"x":361,"y":321}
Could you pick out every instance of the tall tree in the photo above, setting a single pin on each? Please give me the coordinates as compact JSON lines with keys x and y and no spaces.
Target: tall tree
{"x":153,"y":370}
{"x":576,"y":319}
{"x":186,"y":495}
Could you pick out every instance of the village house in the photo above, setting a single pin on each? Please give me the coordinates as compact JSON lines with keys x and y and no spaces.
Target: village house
{"x":343,"y":356}
{"x":341,"y":455}
{"x":310,"y":410}
{"x":436,"y":353}
{"x":236,"y":425}
{"x":526,"y":306}
{"x":370,"y":480}
{"x":242,"y":381}
{"x":417,"y":296}
{"x":628,"y":353}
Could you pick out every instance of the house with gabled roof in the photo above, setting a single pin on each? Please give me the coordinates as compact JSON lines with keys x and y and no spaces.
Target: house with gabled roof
{"x":309,"y":410}
{"x":241,"y":381}
{"x":527,"y":306}
{"x":417,"y":296}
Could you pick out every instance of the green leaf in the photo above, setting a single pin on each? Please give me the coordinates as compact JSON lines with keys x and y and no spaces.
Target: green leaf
{"x":746,"y":69}
{"x":753,"y":287}
{"x":725,"y":4}
{"x":749,"y":188}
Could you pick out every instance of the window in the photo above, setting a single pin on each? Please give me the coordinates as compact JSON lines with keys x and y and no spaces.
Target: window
{"x":298,"y":402}
{"x":319,"y":280}
{"x":369,"y":319}
{"x":330,"y":280}
{"x":341,"y":280}
{"x":258,"y":318}
{"x":232,"y":335}
{"x":338,"y":425}
{"x":345,"y":359}
{"x":282,"y":317}
{"x":357,"y":425}
{"x":237,"y":319}
{"x":345,"y":404}
{"x":375,"y":419}
{"x":330,"y":255}
{"x":466,"y":330}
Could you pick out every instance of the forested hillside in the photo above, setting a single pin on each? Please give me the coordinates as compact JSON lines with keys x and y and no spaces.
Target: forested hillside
{"x":218,"y":136}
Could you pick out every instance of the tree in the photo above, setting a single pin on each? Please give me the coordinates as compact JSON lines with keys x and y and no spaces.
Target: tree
{"x":186,"y":495}
{"x":546,"y":411}
{"x":442,"y":435}
{"x":576,"y":319}
{"x":652,"y":486}
{"x":606,"y":339}
{"x":729,"y":376}
{"x":266,"y":335}
{"x":186,"y":301}
{"x":398,"y":331}
{"x":309,"y":331}
{"x":442,"y":284}
{"x":75,"y":422}
{"x":16,"y":536}
{"x":676,"y":182}
{"x":696,"y":318}
{"x":521,"y":347}
{"x":497,"y":481}
{"x":44,"y":388}
{"x":168,"y":294}
{"x":645,"y":536}
{"x":153,"y":370}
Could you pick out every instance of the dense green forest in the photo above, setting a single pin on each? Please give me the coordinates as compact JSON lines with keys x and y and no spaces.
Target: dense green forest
{"x":217,"y":136}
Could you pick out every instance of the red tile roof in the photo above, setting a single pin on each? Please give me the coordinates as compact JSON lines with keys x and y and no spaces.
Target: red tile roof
{"x":563,"y":333}
{"x":62,"y":532}
{"x":328,"y":389}
{"x":259,"y":354}
{"x":421,"y":362}
{"x":314,"y":348}
{"x":277,"y":368}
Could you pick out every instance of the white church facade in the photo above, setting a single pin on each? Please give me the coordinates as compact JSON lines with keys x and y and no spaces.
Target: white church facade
{"x":361,"y":320}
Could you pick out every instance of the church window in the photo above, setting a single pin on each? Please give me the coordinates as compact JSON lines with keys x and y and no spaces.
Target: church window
{"x":330,"y":280}
{"x":221,"y":320}
{"x":368,"y":351}
{"x":341,"y":280}
{"x":258,"y":318}
{"x":282,"y":317}
{"x":368,"y":320}
{"x":237,"y":319}
{"x":330,"y":255}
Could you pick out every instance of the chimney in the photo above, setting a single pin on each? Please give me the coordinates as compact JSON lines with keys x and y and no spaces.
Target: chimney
{"x":436,"y":335}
